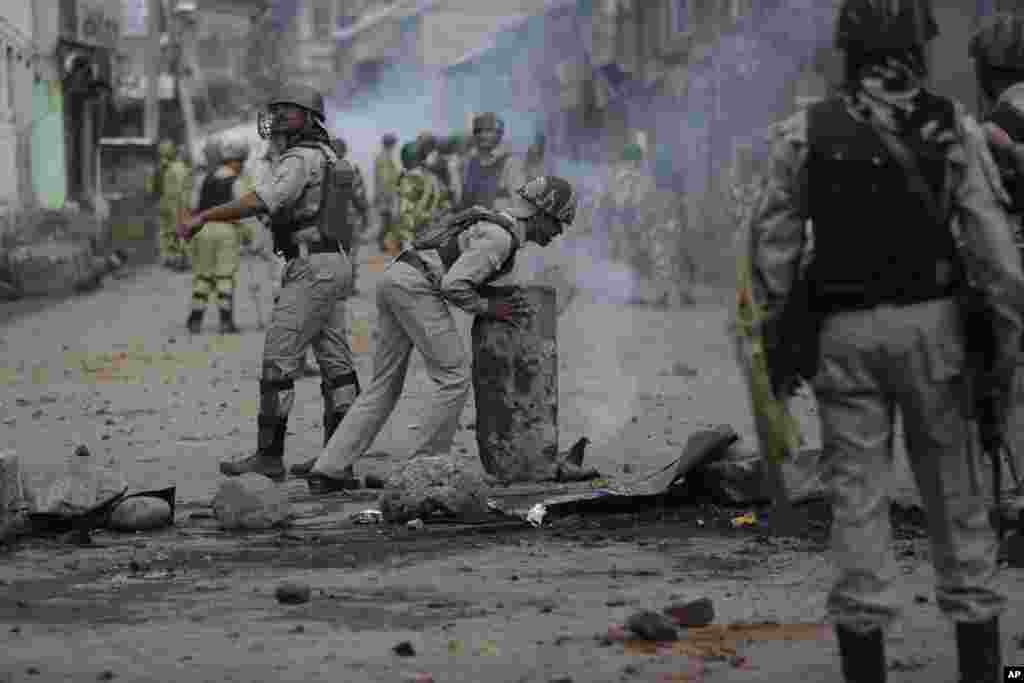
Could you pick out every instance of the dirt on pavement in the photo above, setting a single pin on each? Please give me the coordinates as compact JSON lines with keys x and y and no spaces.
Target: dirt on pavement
{"x":496,"y":602}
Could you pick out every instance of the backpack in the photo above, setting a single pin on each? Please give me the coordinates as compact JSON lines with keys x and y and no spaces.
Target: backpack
{"x":444,"y":233}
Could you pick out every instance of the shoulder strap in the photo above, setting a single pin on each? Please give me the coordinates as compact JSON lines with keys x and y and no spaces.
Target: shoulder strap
{"x":936,"y":205}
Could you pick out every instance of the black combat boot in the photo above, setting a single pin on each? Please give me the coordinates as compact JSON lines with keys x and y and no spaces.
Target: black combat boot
{"x":863,"y":655}
{"x":268,"y":459}
{"x":227,"y":322}
{"x":978,"y":648}
{"x":195,"y":321}
{"x":331,"y":422}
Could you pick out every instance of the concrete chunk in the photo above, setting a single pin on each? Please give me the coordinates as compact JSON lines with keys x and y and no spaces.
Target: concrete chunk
{"x":251,"y":502}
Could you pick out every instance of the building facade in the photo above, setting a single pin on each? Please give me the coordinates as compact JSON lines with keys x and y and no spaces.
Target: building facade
{"x":19,"y":72}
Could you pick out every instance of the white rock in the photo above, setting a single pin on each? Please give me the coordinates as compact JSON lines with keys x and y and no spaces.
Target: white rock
{"x":141,"y":513}
{"x":250,"y":501}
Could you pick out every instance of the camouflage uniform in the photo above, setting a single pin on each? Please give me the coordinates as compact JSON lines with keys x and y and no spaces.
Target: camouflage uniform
{"x":421,"y":200}
{"x":910,"y":357}
{"x":478,"y":187}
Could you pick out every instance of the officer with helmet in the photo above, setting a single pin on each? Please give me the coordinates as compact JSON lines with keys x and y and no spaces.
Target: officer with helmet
{"x":998,"y":51}
{"x":872,"y":168}
{"x":171,"y":183}
{"x":412,"y":312}
{"x":215,"y":250}
{"x":489,"y":174}
{"x":306,"y":196}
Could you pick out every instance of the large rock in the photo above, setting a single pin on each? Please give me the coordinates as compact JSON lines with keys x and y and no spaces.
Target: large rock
{"x":14,"y":500}
{"x":433,"y":485}
{"x":252,"y":502}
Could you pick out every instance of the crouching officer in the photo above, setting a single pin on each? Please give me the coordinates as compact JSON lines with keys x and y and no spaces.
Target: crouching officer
{"x":306,"y":195}
{"x":906,"y":209}
{"x":448,"y":265}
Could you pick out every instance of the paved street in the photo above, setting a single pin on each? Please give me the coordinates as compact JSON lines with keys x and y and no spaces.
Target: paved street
{"x":116,"y":371}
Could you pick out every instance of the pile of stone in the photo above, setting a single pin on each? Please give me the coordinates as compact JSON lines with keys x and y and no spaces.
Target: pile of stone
{"x":430,"y":486}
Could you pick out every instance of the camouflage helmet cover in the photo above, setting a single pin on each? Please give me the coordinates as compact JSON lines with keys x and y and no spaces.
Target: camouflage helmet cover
{"x":1008,"y":112}
{"x":552,"y":195}
{"x":303,"y":96}
{"x":885,"y":25}
{"x":999,"y":41}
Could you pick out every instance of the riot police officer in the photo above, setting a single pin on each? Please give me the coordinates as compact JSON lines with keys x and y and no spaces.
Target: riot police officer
{"x":874,"y":168}
{"x":490,"y":174}
{"x":306,"y":196}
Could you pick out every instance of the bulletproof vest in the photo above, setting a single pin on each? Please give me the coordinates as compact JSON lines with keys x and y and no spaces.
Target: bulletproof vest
{"x":444,"y":237}
{"x":216,"y":191}
{"x":874,"y":239}
{"x":482,"y":184}
{"x":332,"y":214}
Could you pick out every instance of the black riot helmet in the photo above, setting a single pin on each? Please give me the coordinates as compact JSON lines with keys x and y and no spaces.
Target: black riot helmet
{"x":998,"y":51}
{"x":885,"y":25}
{"x":303,"y":96}
{"x":872,"y":30}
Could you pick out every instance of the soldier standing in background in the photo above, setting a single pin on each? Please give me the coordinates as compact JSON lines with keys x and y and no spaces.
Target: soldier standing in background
{"x":216,"y":256}
{"x":172,"y":185}
{"x":490,"y":174}
{"x":421,"y":197}
{"x":625,"y":207}
{"x":385,"y":184}
{"x":536,"y":162}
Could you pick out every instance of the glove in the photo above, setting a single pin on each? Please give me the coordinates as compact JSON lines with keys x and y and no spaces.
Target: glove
{"x":512,"y":309}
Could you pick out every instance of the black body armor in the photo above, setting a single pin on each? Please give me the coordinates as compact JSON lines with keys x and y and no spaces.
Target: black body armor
{"x":874,"y":240}
{"x":216,"y":191}
{"x":482,"y":184}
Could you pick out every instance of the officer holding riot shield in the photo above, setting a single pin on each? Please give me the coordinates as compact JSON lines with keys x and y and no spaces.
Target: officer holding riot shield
{"x":306,"y":196}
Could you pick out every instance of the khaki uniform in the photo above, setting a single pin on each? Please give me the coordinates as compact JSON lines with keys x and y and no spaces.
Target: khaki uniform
{"x":413,"y":312}
{"x":385,"y":186}
{"x":216,"y":253}
{"x":309,"y":308}
{"x":176,"y":191}
{"x":909,"y":358}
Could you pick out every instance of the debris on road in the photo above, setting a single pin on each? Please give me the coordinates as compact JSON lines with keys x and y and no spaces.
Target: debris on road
{"x":723,"y":641}
{"x":144,"y":511}
{"x":251,"y":502}
{"x":536,"y":515}
{"x":404,"y":649}
{"x":415,"y":524}
{"x":433,"y":485}
{"x":649,"y":625}
{"x":693,"y":614}
{"x":749,"y":519}
{"x":368,"y":516}
{"x":292,"y":593}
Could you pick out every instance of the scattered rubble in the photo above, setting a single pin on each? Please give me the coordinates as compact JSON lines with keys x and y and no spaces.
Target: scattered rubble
{"x":693,"y":614}
{"x":433,"y":485}
{"x":292,"y":593}
{"x":251,"y":502}
{"x":141,"y":513}
{"x":648,"y":625}
{"x":404,"y":649}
